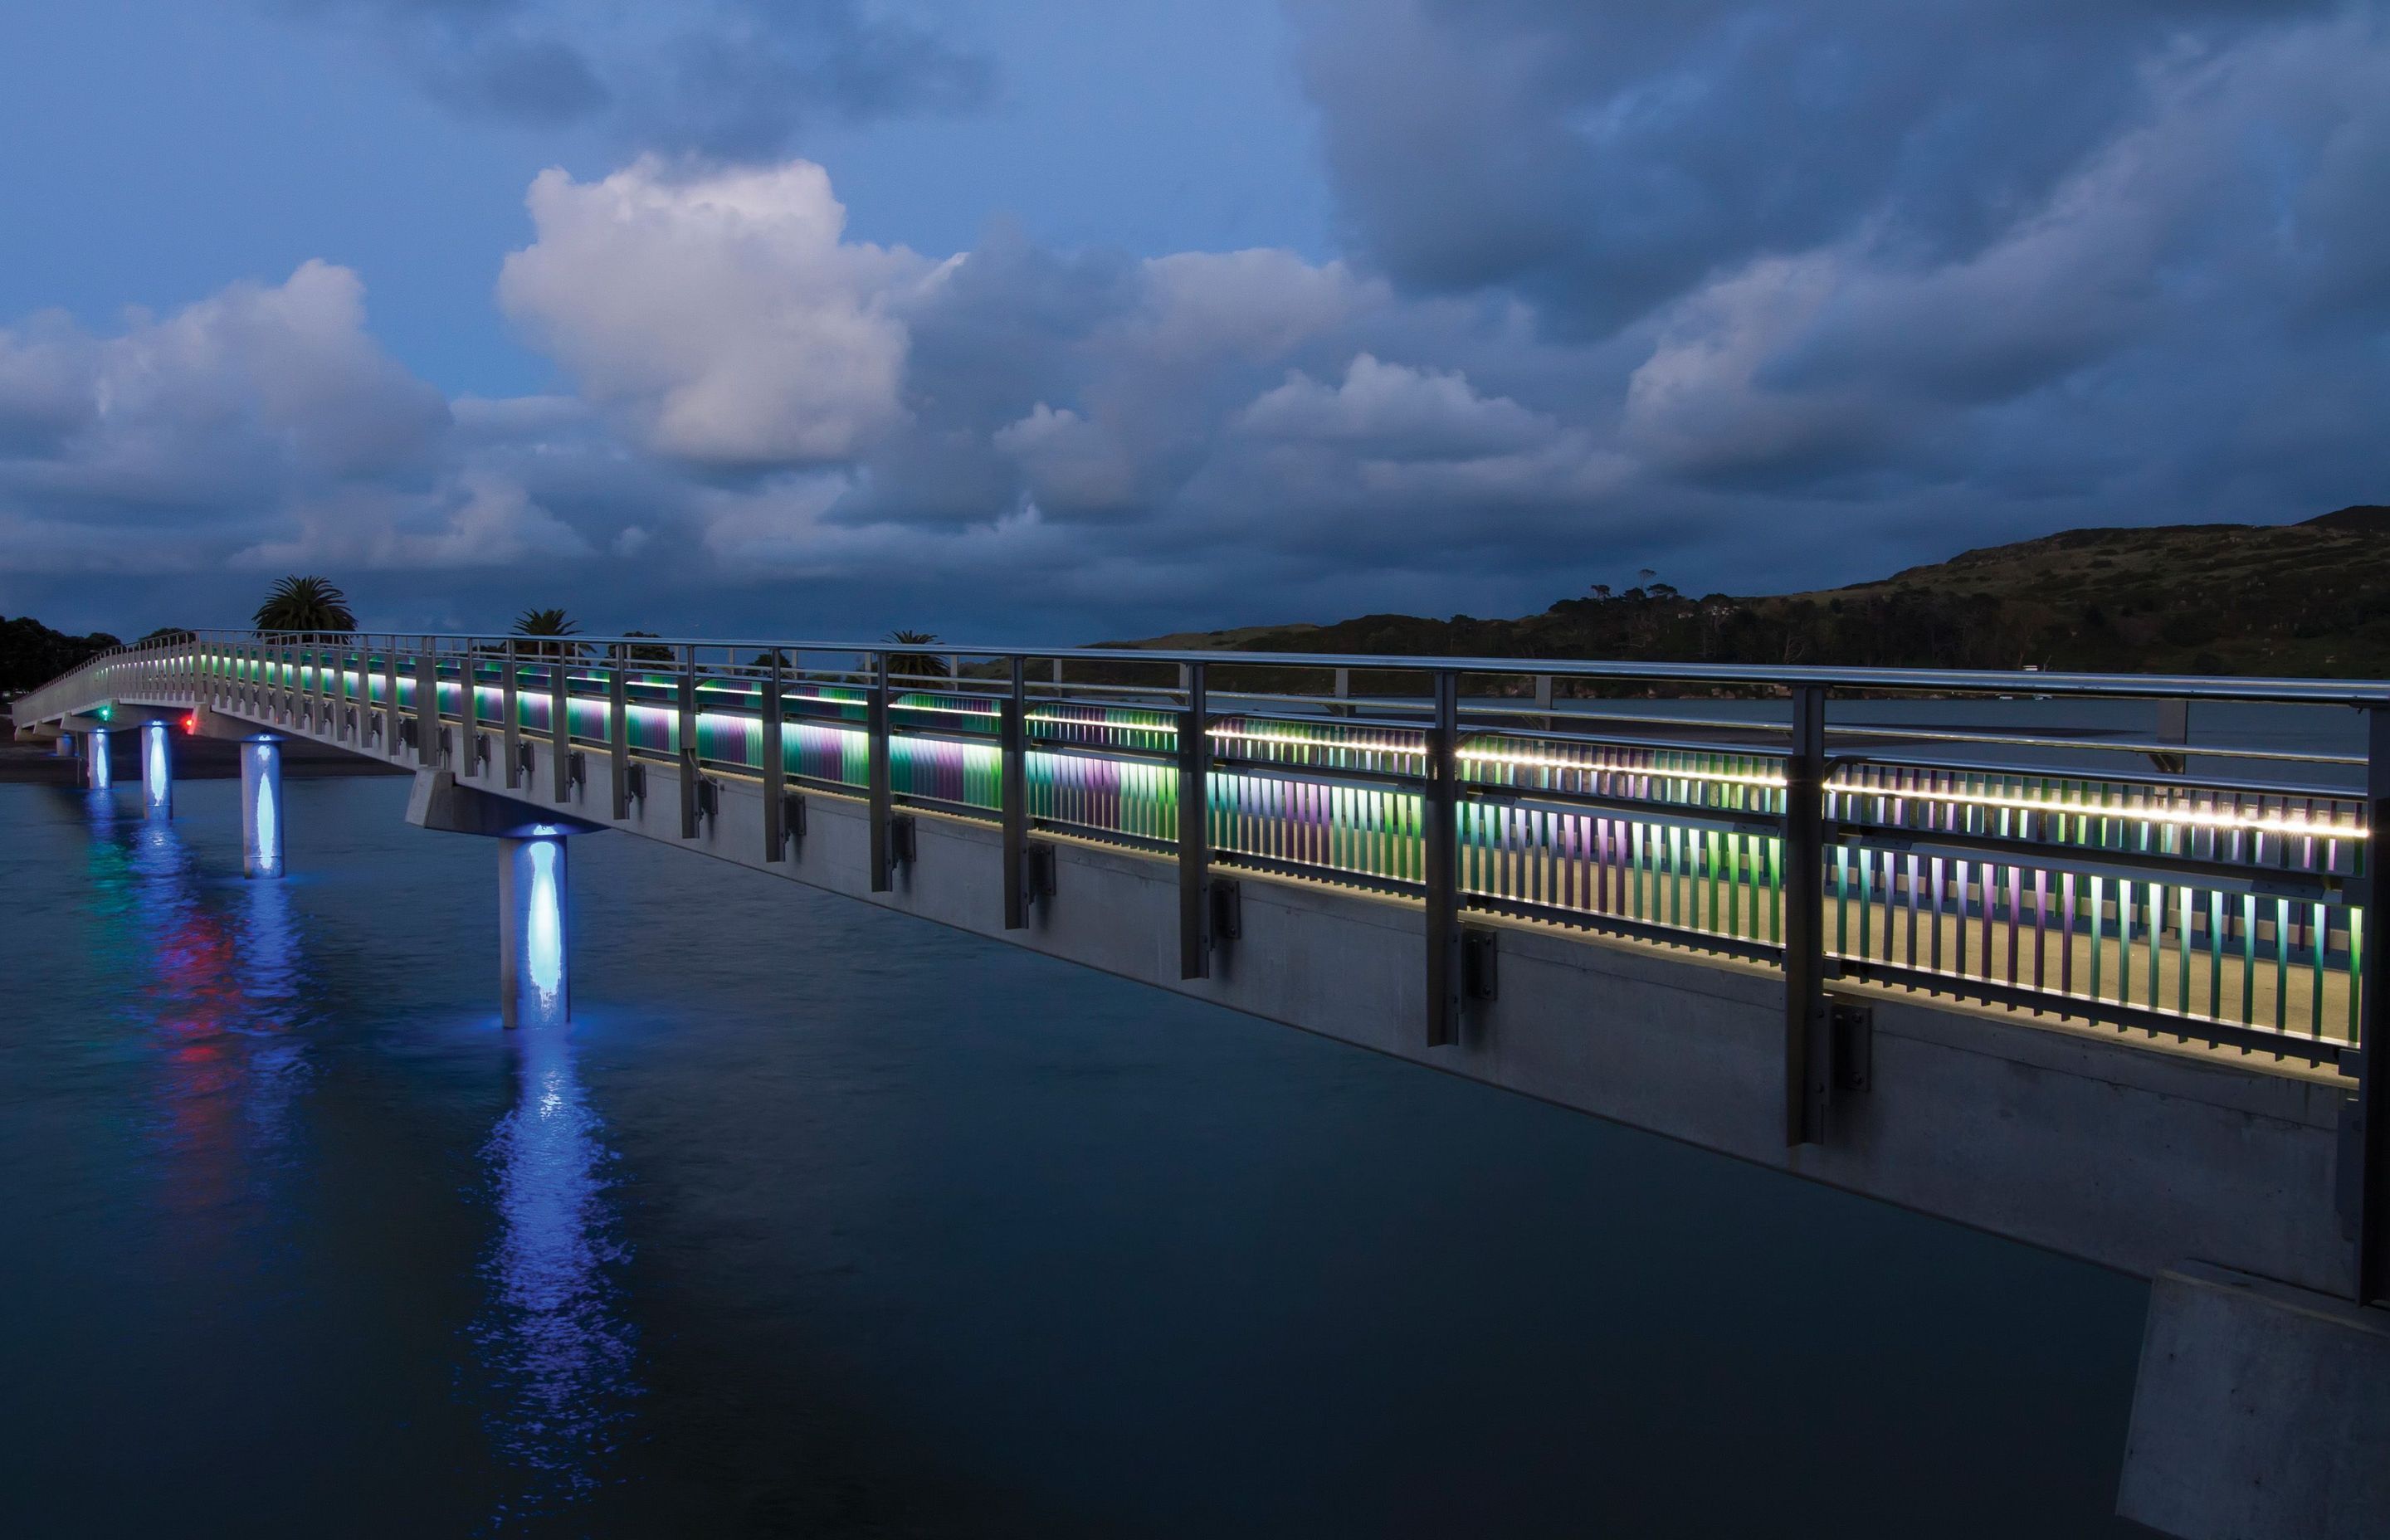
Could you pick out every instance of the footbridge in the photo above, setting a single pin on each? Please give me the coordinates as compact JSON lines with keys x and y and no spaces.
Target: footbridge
{"x":2022,"y":951}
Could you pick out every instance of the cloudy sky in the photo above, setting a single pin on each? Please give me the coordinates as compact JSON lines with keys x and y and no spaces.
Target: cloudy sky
{"x":1061,"y":319}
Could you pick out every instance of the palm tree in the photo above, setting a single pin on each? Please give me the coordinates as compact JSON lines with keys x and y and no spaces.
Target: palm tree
{"x":548,"y":622}
{"x":308,"y":604}
{"x":916,"y":662}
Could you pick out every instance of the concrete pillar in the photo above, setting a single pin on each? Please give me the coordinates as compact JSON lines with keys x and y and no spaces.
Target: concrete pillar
{"x":2262,"y":1412}
{"x":158,"y":769}
{"x":65,"y":748}
{"x":534,"y":979}
{"x":96,"y":767}
{"x":260,"y":806}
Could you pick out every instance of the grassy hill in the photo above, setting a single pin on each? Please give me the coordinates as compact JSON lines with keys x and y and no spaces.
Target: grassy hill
{"x":2302,"y":599}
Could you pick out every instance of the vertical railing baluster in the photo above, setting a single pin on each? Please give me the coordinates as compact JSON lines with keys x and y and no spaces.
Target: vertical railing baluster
{"x":877,"y":772}
{"x":1439,"y":862}
{"x":1012,"y":794}
{"x":1808,"y":1039}
{"x":1194,"y":750}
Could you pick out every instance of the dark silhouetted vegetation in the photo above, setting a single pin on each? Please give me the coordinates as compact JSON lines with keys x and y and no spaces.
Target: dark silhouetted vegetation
{"x":312,"y":605}
{"x":30,"y":653}
{"x":2300,"y":600}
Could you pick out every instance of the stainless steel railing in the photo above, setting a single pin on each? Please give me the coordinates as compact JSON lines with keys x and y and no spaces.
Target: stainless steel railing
{"x":2004,"y":862}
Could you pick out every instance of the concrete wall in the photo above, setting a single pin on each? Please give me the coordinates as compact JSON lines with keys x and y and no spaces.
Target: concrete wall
{"x":2262,"y":1413}
{"x":2124,"y":1155}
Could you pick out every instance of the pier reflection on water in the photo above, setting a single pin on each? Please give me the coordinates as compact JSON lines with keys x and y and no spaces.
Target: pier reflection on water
{"x":551,"y":1337}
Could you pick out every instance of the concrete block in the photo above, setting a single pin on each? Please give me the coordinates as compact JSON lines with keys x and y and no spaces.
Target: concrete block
{"x":2262,"y":1412}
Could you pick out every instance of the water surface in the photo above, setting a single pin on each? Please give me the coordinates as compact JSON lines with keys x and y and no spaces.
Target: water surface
{"x":822,"y":1220}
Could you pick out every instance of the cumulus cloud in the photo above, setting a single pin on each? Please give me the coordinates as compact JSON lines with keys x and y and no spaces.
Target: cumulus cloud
{"x":476,"y":519}
{"x":719,"y":313}
{"x":182,"y":434}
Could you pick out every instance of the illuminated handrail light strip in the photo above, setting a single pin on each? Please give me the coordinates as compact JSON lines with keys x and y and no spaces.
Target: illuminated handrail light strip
{"x":2266,"y":823}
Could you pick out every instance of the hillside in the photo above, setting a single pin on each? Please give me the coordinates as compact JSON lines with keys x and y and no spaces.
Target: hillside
{"x":2310,"y":598}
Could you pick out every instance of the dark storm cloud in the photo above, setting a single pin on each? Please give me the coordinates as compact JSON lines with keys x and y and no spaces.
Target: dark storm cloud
{"x":725,"y":78}
{"x":1606,"y":157}
{"x":1760,"y":298}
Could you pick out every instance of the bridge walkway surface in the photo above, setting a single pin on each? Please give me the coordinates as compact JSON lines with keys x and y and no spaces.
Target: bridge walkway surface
{"x":1959,"y":942}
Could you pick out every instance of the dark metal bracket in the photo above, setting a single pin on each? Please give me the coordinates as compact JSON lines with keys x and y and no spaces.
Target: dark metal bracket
{"x":2348,"y":1156}
{"x":1854,"y":1045}
{"x":576,"y":773}
{"x":1228,"y":910}
{"x":1479,"y":978}
{"x":634,"y":783}
{"x":792,"y":819}
{"x":904,"y":841}
{"x":1038,"y":873}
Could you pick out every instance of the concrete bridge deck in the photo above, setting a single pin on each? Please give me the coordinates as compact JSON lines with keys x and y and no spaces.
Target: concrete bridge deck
{"x":2120,"y":1016}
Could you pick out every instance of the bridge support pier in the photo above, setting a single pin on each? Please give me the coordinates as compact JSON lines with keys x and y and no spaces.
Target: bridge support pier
{"x":158,"y":769}
{"x":2261,"y":1412}
{"x":64,"y":746}
{"x":534,"y":968}
{"x":96,"y":771}
{"x":535,"y":899}
{"x":260,"y":806}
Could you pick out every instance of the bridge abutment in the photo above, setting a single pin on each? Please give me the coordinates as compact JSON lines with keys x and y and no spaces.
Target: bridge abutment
{"x":260,"y":806}
{"x":2261,"y":1412}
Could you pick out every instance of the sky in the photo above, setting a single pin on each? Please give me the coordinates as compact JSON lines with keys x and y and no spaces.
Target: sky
{"x":1060,"y":320}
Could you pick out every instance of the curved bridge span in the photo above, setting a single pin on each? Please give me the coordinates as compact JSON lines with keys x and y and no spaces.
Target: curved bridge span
{"x":2016,"y":950}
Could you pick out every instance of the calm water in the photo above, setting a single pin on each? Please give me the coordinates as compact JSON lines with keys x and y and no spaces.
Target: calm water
{"x":825,"y":1222}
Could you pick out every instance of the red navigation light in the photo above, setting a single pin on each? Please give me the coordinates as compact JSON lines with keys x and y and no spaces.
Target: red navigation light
{"x":191,"y":724}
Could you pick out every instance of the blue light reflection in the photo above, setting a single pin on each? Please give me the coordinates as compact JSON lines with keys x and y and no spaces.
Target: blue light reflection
{"x":552,"y":1334}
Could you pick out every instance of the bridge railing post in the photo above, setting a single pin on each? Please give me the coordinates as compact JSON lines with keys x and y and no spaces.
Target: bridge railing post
{"x":427,"y":705}
{"x":389,"y":697}
{"x":468,"y":712}
{"x":1808,"y":1038}
{"x":880,"y":777}
{"x":1013,"y":795}
{"x":1194,"y":825}
{"x":1439,"y":863}
{"x":618,"y":728}
{"x":510,"y":713}
{"x":772,"y":757}
{"x":2367,"y":1143}
{"x":559,"y":719}
{"x":688,"y":760}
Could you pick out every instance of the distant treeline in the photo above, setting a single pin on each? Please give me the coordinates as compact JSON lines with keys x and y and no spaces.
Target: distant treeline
{"x":30,"y":653}
{"x":2298,"y":599}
